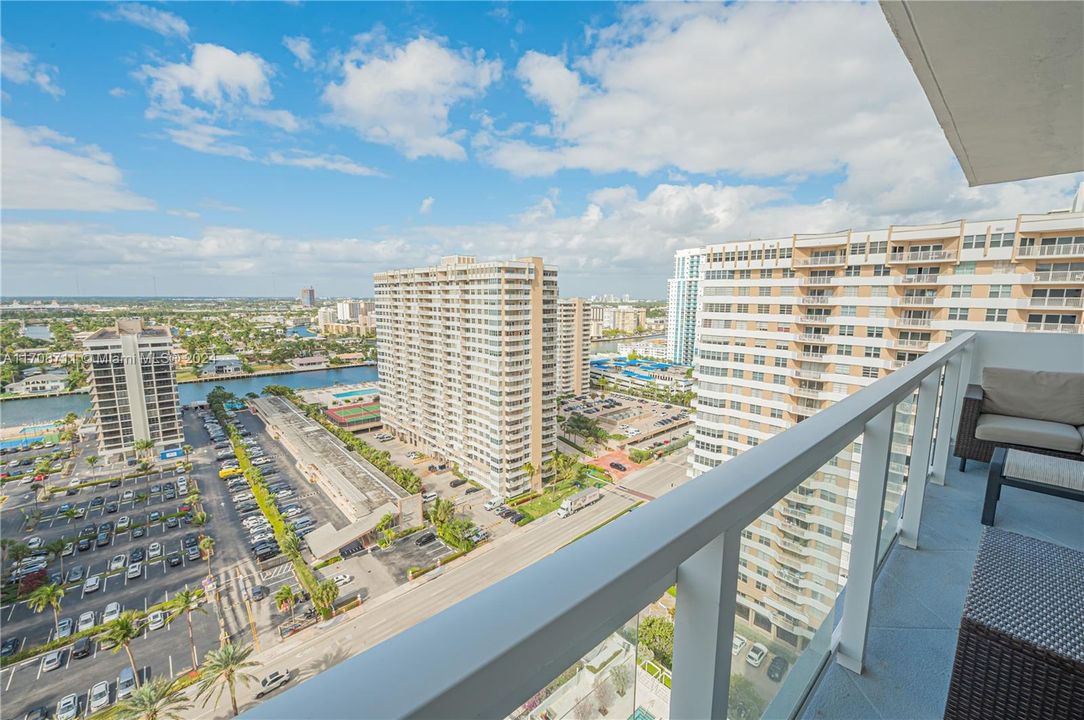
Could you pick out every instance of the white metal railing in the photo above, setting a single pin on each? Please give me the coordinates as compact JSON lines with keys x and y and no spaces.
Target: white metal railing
{"x":924,"y":255}
{"x":911,"y":344}
{"x":813,"y":319}
{"x":823,"y":260}
{"x":914,"y":322}
{"x":1056,"y":302}
{"x":816,"y":280}
{"x":818,"y":300}
{"x":1054,"y":276}
{"x":922,"y":279}
{"x":814,"y":337}
{"x":1064,"y":250}
{"x":1052,"y":327}
{"x":807,"y":374}
{"x":486,"y":655}
{"x":915,"y":300}
{"x":817,"y":356}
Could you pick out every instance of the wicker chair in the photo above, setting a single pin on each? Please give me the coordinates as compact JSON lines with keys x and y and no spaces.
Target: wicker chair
{"x":993,"y":399}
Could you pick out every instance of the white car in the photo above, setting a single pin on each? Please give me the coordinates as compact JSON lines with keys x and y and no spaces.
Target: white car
{"x":93,"y":583}
{"x":291,"y":512}
{"x":51,"y":661}
{"x":154,"y":551}
{"x":429,"y":497}
{"x":156,"y":620}
{"x":287,"y":493}
{"x":756,"y":655}
{"x":67,"y":708}
{"x":112,"y":612}
{"x":33,"y":542}
{"x":127,"y":496}
{"x":737,"y":644}
{"x":342,"y":579}
{"x":260,"y":537}
{"x":86,"y":621}
{"x":118,"y":562}
{"x":69,"y":548}
{"x":99,"y":695}
{"x":64,"y":628}
{"x":135,"y":570}
{"x":124,"y":523}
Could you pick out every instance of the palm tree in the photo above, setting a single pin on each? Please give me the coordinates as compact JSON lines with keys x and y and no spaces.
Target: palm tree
{"x":186,"y":601}
{"x":142,"y":446}
{"x":286,"y":598}
{"x":199,"y":519}
{"x":56,"y":547}
{"x":528,"y":468}
{"x":120,"y":633}
{"x":442,"y":512}
{"x":207,"y":547}
{"x":187,"y":451}
{"x":290,"y":543}
{"x":47,"y":596}
{"x":193,"y":498}
{"x":222,"y":669}
{"x":157,"y":699}
{"x":6,"y":544}
{"x":91,"y":461}
{"x":324,"y":596}
{"x":18,"y":550}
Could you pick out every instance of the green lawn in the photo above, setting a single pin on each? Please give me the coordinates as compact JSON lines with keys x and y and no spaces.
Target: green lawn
{"x":551,"y":499}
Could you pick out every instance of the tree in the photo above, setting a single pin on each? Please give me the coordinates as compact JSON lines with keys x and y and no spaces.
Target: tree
{"x":91,"y":461}
{"x":199,"y":519}
{"x":604,"y":696}
{"x":290,"y":543}
{"x":193,"y":498}
{"x":143,"y":446}
{"x":6,"y":545}
{"x":620,"y":677}
{"x":529,"y":469}
{"x":18,"y":550}
{"x":47,"y":596}
{"x":56,"y":547}
{"x":187,"y":602}
{"x":120,"y":633}
{"x":286,"y":598}
{"x":442,"y":512}
{"x":207,"y":547}
{"x":657,"y":634}
{"x":222,"y":669}
{"x":157,"y":699}
{"x":324,"y":596}
{"x":187,"y":449}
{"x":743,"y":701}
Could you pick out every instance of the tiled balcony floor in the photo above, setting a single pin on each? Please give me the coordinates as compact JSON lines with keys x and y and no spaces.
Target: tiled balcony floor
{"x":919,"y":595}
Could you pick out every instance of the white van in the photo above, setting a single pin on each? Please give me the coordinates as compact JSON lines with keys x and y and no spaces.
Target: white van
{"x":492,"y":504}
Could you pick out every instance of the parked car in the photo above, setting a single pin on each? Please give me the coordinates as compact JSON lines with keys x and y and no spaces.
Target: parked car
{"x":457,"y":482}
{"x":156,"y":620}
{"x":10,"y":646}
{"x":193,"y":554}
{"x":138,"y":532}
{"x":69,"y":549}
{"x":124,"y":523}
{"x":118,"y":562}
{"x":259,"y":592}
{"x":737,"y":644}
{"x":83,"y":545}
{"x":172,"y":522}
{"x":99,"y":695}
{"x":111,"y":612}
{"x":64,"y":628}
{"x":273,"y":682}
{"x":618,"y":466}
{"x":93,"y":583}
{"x":111,"y":507}
{"x":127,"y":496}
{"x":425,"y":538}
{"x":342,"y":579}
{"x":154,"y":551}
{"x":777,"y":668}
{"x":429,"y":496}
{"x":126,"y":683}
{"x":756,"y":655}
{"x":67,"y":708}
{"x":136,"y":555}
{"x":103,"y":539}
{"x":82,"y":648}
{"x":75,"y":574}
{"x":51,"y":661}
{"x":86,"y":621}
{"x":135,"y":570}
{"x":174,"y":559}
{"x":155,"y":516}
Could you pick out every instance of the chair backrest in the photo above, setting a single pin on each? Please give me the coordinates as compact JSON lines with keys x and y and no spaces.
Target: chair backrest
{"x":1035,"y":394}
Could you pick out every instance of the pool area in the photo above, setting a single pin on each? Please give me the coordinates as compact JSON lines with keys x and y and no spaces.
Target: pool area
{"x":355,"y":393}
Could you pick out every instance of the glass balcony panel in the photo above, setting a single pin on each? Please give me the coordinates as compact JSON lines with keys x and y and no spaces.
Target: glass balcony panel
{"x":903,"y":432}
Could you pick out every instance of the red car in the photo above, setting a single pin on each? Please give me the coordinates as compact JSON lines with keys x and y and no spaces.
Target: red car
{"x":184,"y":507}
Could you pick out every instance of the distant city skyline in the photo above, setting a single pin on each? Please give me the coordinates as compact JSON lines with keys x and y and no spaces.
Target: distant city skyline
{"x":176,"y":149}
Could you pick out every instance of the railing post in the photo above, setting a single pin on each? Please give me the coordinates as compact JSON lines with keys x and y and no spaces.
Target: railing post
{"x":703,"y":628}
{"x":957,"y":375}
{"x":868,"y":511}
{"x":918,"y":471}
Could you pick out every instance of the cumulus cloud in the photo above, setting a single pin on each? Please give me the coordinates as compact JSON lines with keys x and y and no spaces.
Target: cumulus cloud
{"x":311,"y":161}
{"x":427,"y":205}
{"x":44,"y":170}
{"x":118,"y":92}
{"x":401,"y":95}
{"x":20,"y":67}
{"x":151,"y":18}
{"x":301,"y":47}
{"x":617,"y":240}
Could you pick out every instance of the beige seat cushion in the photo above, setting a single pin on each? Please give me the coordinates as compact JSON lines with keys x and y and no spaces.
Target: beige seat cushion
{"x":1025,"y":431}
{"x":1037,"y":394}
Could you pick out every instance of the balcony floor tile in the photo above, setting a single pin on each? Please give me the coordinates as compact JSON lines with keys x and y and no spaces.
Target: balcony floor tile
{"x":919,"y":595}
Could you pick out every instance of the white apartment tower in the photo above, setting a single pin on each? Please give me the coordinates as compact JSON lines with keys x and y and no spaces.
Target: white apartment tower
{"x":683,"y":297}
{"x":790,"y":325}
{"x":573,"y":346}
{"x":468,"y":365}
{"x":133,"y":387}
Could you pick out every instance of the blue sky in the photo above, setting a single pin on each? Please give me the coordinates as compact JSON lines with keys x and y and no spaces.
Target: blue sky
{"x":252,"y":148}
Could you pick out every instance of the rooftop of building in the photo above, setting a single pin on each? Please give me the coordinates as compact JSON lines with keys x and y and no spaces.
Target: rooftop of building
{"x":130,"y":326}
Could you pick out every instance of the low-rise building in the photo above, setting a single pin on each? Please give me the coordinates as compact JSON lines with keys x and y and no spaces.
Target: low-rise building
{"x":312,"y":362}
{"x":222,"y":365}
{"x":39,"y":384}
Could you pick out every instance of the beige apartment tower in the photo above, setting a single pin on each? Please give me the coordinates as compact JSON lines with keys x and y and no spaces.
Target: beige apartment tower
{"x":786,"y":327}
{"x":468,"y":365}
{"x":133,"y":387}
{"x":573,"y":346}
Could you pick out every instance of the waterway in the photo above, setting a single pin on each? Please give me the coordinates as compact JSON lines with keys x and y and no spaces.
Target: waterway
{"x":36,"y":410}
{"x":38,"y":332}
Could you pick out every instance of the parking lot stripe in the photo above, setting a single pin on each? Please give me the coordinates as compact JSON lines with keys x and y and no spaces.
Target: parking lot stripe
{"x":10,"y":678}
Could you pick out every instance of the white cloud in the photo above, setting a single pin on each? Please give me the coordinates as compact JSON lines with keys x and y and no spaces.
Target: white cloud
{"x":118,"y":92}
{"x":301,"y":47}
{"x":427,"y":205}
{"x":402,"y":95}
{"x":44,"y":170}
{"x":216,"y":76}
{"x":20,"y":67}
{"x":187,"y":214}
{"x":335,"y":163}
{"x":152,"y":18}
{"x":208,"y":139}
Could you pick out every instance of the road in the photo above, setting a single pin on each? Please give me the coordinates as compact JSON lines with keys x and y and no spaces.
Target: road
{"x":318,"y":649}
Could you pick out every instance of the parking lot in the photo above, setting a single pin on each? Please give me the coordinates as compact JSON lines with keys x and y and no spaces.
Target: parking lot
{"x":163,"y":652}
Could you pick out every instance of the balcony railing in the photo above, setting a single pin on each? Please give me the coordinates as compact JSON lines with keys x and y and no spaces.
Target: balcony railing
{"x":1054,"y":302}
{"x":813,"y":319}
{"x":541,"y":620}
{"x":1054,"y":276}
{"x":821,"y":261}
{"x":923,"y":256}
{"x":911,"y":344}
{"x":818,"y":300}
{"x":807,"y":374}
{"x":915,"y":300}
{"x":808,"y":393}
{"x":817,"y":280}
{"x":1066,"y":250}
{"x":922,"y":322}
{"x":1052,"y":327}
{"x":815,"y":356}
{"x":923,"y":279}
{"x":814,"y":337}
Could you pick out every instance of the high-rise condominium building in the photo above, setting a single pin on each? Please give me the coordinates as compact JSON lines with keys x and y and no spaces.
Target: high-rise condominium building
{"x":625,"y":318}
{"x":573,"y":346}
{"x":133,"y":387}
{"x":468,"y":365}
{"x":788,"y":326}
{"x":683,"y":297}
{"x":349,"y":310}
{"x":308,"y":296}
